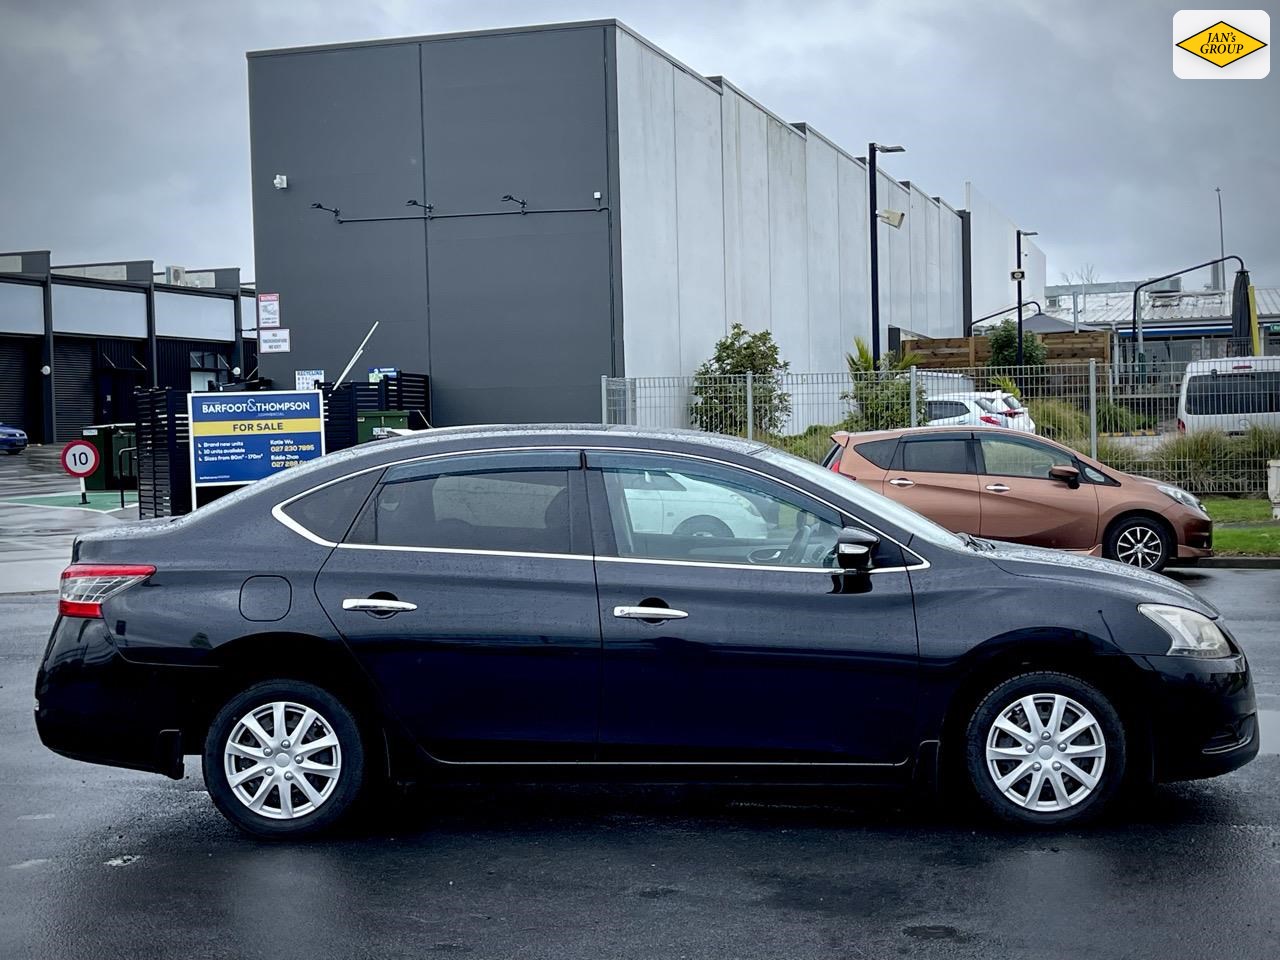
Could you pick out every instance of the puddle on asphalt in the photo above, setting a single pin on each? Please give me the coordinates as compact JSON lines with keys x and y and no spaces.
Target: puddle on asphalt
{"x":1269,"y":731}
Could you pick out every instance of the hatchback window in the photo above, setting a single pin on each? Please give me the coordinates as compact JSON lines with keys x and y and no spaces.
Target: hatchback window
{"x":879,"y":452}
{"x":522,"y":511}
{"x":943,"y":409}
{"x":936,"y":456}
{"x":1020,"y":458}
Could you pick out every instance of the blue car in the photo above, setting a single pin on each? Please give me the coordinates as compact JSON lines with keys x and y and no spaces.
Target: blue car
{"x":12,"y":440}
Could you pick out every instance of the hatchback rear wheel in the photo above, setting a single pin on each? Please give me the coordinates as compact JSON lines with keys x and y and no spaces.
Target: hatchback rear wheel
{"x":1045,"y":748}
{"x":284,"y":758}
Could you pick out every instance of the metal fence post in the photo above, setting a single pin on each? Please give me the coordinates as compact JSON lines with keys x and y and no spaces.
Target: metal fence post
{"x":914,"y":412}
{"x":604,"y":398}
{"x":1093,"y":408}
{"x":751,"y":409}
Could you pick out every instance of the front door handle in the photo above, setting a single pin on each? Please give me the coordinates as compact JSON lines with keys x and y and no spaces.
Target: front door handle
{"x":997,"y":488}
{"x":377,"y":605}
{"x":648,"y":613}
{"x":902,"y":482}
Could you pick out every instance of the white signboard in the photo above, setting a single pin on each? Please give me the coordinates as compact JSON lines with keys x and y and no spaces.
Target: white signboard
{"x":273,"y":341}
{"x":307,"y":379}
{"x":268,"y":310}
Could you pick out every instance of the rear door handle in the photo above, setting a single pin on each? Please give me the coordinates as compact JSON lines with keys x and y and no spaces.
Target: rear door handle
{"x":902,"y":482}
{"x":648,"y":613}
{"x":375,"y":605}
{"x":997,"y":488}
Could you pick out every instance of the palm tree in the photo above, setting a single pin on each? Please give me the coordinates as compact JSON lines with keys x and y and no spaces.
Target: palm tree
{"x":860,"y":362}
{"x":880,"y":395}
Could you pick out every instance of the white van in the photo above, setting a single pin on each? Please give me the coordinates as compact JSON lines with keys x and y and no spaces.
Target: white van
{"x":1230,"y":395}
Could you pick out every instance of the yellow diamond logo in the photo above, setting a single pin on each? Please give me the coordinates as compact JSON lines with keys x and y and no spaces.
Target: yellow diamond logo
{"x":1221,"y":44}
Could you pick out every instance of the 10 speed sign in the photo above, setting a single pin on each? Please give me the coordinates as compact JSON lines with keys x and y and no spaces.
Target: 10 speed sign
{"x":80,"y":458}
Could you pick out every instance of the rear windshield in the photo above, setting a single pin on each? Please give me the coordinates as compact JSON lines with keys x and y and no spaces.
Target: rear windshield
{"x":1012,"y":402}
{"x":1232,"y":393}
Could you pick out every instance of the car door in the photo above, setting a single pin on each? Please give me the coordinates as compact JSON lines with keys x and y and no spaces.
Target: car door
{"x":750,"y":648}
{"x":1021,"y":503}
{"x":466,"y":589}
{"x":935,"y":474}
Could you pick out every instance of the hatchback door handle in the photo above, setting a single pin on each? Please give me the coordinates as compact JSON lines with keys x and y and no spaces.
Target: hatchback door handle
{"x":376,"y":605}
{"x":902,"y":482}
{"x":648,"y":613}
{"x":997,"y":488}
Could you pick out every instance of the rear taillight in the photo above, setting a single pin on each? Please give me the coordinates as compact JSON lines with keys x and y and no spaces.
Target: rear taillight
{"x":1182,"y":427}
{"x":86,"y":585}
{"x":1013,"y":413}
{"x":987,"y":418}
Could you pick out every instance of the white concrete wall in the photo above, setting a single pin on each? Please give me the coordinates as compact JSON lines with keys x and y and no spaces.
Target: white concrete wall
{"x":189,"y":317}
{"x":730,"y":214}
{"x":993,"y":248}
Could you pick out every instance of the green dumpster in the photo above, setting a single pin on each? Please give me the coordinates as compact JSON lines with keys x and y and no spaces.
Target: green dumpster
{"x":370,"y":424}
{"x":115,"y":472}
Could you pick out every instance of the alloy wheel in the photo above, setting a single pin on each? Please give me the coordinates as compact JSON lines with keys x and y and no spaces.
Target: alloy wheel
{"x":282,"y":760}
{"x":1140,"y":546}
{"x":1045,"y":752}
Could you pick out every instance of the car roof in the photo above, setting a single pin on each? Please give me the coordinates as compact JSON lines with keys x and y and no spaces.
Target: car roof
{"x":1232,"y":365}
{"x":573,"y":433}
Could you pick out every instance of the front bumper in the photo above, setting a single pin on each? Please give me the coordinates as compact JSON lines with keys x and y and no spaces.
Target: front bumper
{"x":1193,"y":530}
{"x":1204,"y":717}
{"x":13,"y":443}
{"x":94,"y":705}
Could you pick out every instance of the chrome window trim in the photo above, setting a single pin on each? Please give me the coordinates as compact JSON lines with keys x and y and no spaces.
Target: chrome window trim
{"x":277,"y":511}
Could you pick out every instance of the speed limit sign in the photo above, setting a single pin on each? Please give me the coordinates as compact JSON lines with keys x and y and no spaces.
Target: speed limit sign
{"x":80,"y":458}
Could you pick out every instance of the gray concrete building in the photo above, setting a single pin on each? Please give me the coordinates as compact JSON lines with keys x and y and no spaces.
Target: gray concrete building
{"x":526,"y":210}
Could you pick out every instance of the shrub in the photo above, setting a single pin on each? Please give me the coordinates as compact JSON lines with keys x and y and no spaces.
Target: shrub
{"x":1117,"y":418}
{"x":1200,"y":462}
{"x":880,"y":394}
{"x":720,"y":387}
{"x":813,"y":444}
{"x":1060,"y":420}
{"x":1004,"y":346}
{"x":1124,"y":457}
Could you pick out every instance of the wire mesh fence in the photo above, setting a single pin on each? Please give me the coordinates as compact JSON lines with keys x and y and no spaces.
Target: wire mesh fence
{"x":1207,"y":425}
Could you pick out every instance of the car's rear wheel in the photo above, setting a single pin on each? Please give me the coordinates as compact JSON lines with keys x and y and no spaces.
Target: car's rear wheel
{"x":1045,"y":749}
{"x":1140,"y":542}
{"x":284,"y":759}
{"x":703,"y":526}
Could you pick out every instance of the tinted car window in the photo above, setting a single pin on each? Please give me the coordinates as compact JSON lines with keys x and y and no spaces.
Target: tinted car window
{"x":941,"y":409}
{"x":1014,"y":458}
{"x":525,"y":511}
{"x":879,"y":452}
{"x":1230,"y":393}
{"x":936,"y":456}
{"x":328,"y":512}
{"x":717,"y":515}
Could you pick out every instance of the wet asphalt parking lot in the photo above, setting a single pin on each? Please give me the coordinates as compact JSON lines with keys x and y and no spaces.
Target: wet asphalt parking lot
{"x":101,"y":863}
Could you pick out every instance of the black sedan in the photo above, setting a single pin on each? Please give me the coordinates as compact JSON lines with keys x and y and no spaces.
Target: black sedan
{"x":621,"y":603}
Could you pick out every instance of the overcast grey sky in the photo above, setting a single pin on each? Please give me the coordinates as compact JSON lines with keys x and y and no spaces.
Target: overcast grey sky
{"x":125,"y":124}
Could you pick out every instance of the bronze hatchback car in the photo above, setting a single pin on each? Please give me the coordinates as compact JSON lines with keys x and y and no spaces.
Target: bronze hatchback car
{"x":996,"y":484}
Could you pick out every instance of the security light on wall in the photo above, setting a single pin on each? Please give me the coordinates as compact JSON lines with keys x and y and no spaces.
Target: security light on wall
{"x":893,"y":218}
{"x":281,"y":182}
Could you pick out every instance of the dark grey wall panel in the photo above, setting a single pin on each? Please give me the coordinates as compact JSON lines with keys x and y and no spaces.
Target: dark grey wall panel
{"x":522,"y":113}
{"x":520,"y":318}
{"x":345,"y":126}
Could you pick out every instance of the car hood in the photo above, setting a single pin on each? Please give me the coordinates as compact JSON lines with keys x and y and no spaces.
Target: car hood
{"x":1117,"y":579}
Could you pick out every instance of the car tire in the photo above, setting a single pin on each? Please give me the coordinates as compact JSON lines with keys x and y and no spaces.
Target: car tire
{"x":703,"y":526}
{"x":1141,"y":542}
{"x":1022,"y":777}
{"x":290,"y":790}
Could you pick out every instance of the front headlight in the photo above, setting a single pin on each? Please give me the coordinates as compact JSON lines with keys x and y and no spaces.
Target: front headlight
{"x":1193,"y":634}
{"x":1177,"y":493}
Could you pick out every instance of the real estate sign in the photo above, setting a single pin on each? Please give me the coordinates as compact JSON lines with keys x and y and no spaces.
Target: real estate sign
{"x":237,"y":438}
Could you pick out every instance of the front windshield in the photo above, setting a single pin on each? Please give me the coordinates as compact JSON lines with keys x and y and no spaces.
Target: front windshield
{"x":877,"y":506}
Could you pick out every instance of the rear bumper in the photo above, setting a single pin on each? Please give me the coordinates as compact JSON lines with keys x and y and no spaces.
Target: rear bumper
{"x":94,"y":705}
{"x":1204,"y":717}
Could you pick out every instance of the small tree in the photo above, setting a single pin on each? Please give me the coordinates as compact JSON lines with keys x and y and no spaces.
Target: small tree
{"x":880,"y":394}
{"x":1004,"y":346}
{"x":720,"y":385}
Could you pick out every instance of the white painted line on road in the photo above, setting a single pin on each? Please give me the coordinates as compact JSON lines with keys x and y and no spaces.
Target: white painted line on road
{"x":25,"y":864}
{"x":45,"y":506}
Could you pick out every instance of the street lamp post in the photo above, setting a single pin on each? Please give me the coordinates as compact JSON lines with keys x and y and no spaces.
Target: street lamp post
{"x":1021,"y":234}
{"x":873,"y":220}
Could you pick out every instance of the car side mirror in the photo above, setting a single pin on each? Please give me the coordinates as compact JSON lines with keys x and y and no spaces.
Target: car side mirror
{"x":1068,"y":475}
{"x":853,"y":549}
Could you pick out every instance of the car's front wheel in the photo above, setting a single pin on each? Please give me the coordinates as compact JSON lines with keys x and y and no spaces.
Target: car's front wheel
{"x":1046,"y":749}
{"x":284,"y":759}
{"x":1139,"y":542}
